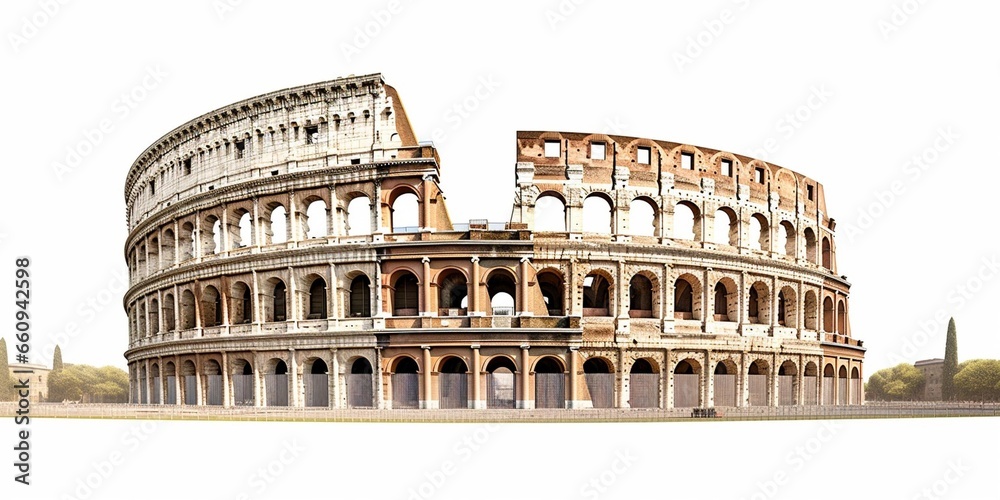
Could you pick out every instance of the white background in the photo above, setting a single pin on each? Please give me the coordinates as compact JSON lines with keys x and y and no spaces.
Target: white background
{"x":873,"y":84}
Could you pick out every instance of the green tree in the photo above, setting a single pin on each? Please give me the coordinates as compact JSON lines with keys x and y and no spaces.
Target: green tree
{"x":903,"y":382}
{"x":89,"y":384}
{"x":6,"y":381}
{"x":950,"y":363}
{"x":57,"y":362}
{"x":979,"y":380}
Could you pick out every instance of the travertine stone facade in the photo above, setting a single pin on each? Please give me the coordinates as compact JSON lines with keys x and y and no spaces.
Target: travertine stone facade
{"x":295,"y":249}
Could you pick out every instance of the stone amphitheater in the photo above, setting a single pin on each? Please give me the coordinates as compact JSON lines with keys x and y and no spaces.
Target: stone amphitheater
{"x":294,"y":249}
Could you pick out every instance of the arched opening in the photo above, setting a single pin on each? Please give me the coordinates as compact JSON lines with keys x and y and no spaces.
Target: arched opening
{"x":453,"y":383}
{"x":640,"y":290}
{"x":141,"y":330}
{"x":502,"y":291}
{"x":596,"y":295}
{"x":687,"y":384}
{"x":760,"y":233}
{"x":644,"y":385}
{"x":842,"y":386}
{"x":143,"y":385}
{"x":317,"y":384}
{"x":810,"y":311}
{"x":757,"y":375}
{"x":170,"y":373}
{"x":405,"y":383}
{"x":550,"y":214}
{"x":278,"y":230}
{"x":687,"y":222}
{"x":168,"y":313}
{"x":810,"y":384}
{"x":759,"y":304}
{"x":855,"y":386}
{"x":241,"y":309}
{"x":721,"y":302}
{"x":154,"y":255}
{"x":190,"y":382}
{"x":727,"y":227}
{"x":187,"y":242}
{"x":551,"y":286}
{"x":550,"y":383}
{"x":724,"y":393}
{"x":810,"y":238}
{"x":243,"y":392}
{"x":276,"y":384}
{"x":600,"y":379}
{"x":187,"y":310}
{"x":245,"y":231}
{"x":500,"y":387}
{"x":279,"y":301}
{"x":359,"y":216}
{"x":827,"y":254}
{"x":841,"y":318}
{"x":788,"y":384}
{"x":596,"y":214}
{"x":828,"y":384}
{"x":788,"y":242}
{"x":215,"y":245}
{"x":213,"y":382}
{"x":642,"y":217}
{"x":683,"y":299}
{"x":788,"y":314}
{"x":154,"y":317}
{"x":359,"y":384}
{"x":167,"y":247}
{"x":154,"y":395}
{"x":453,"y":292}
{"x":316,"y":219}
{"x":828,"y":317}
{"x":405,"y":213}
{"x":361,"y":297}
{"x":405,"y":295}
{"x":317,"y":299}
{"x":211,"y":307}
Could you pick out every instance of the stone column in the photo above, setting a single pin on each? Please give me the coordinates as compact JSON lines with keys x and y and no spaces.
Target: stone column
{"x":427,"y":401}
{"x":425,"y":288}
{"x":573,"y":369}
{"x":477,"y":390}
{"x":226,"y":396}
{"x":525,"y":382}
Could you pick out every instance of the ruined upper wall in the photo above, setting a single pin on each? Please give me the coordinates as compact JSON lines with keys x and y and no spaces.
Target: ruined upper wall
{"x":759,"y":180}
{"x":356,"y":120}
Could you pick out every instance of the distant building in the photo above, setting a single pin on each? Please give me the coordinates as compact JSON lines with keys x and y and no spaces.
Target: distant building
{"x":39,"y":385}
{"x":932,"y":370}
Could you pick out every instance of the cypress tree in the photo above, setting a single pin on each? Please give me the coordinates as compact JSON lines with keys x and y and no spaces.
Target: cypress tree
{"x":57,"y":363}
{"x":950,"y":363}
{"x":6,"y":382}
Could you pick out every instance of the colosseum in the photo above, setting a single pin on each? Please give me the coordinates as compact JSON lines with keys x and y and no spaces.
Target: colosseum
{"x":295,"y":249}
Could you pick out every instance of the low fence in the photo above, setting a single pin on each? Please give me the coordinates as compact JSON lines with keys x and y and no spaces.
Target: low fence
{"x":174,"y":412}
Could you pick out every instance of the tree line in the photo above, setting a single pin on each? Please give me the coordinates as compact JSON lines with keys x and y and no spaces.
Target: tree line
{"x":71,"y":382}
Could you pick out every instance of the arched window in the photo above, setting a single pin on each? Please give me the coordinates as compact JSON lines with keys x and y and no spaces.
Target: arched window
{"x":406,"y":295}
{"x":642,"y":218}
{"x":211,"y":307}
{"x":405,"y":215}
{"x":596,"y":215}
{"x":827,"y":254}
{"x":687,"y":223}
{"x":787,"y":243}
{"x":168,"y":313}
{"x":359,"y":216}
{"x":760,"y":234}
{"x":361,"y":297}
{"x":187,"y":310}
{"x":721,"y":302}
{"x":502,"y":291}
{"x":216,"y":236}
{"x":279,"y":302}
{"x":758,"y":303}
{"x":596,"y":297}
{"x":810,"y":238}
{"x":316,"y":219}
{"x":551,"y":285}
{"x":317,"y":299}
{"x":550,"y":214}
{"x":683,"y":299}
{"x":452,"y":292}
{"x":640,"y":291}
{"x":187,"y":243}
{"x":727,"y":227}
{"x":246,"y":231}
{"x":167,"y":245}
{"x":279,"y":225}
{"x":828,"y":317}
{"x":841,"y":318}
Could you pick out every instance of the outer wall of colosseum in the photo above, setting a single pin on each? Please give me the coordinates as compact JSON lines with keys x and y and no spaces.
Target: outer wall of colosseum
{"x":294,"y":249}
